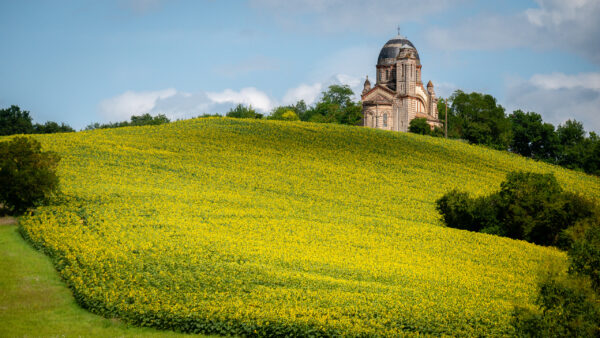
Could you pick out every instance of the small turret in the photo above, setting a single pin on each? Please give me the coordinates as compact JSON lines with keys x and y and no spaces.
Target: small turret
{"x":430,"y":87}
{"x":367,"y":86}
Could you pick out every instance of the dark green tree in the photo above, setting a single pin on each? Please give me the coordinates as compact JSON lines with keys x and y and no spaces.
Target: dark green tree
{"x":480,"y":120}
{"x":13,"y":120}
{"x":51,"y":127}
{"x":571,"y":136}
{"x":529,"y":206}
{"x":27,"y":174}
{"x":335,"y":106}
{"x":242,"y":112}
{"x":531,"y":137}
{"x":419,"y":126}
{"x":148,"y":120}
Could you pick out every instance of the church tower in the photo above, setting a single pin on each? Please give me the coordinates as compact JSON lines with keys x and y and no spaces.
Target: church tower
{"x":398,"y":95}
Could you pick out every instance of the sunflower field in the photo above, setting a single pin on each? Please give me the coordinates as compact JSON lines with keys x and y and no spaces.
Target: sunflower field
{"x":259,"y":228}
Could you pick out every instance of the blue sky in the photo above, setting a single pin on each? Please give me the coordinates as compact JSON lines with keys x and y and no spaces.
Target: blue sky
{"x":97,"y":61}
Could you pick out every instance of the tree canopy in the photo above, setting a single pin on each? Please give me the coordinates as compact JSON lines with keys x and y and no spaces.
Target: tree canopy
{"x":27,"y":174}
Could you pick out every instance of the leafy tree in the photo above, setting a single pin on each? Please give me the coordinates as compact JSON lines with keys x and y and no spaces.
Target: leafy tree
{"x":341,"y":95}
{"x":300,"y":109}
{"x":584,"y":253}
{"x":335,"y":106}
{"x":51,"y":127}
{"x":147,"y":120}
{"x":135,"y":120}
{"x":15,"y":121}
{"x":480,"y":120}
{"x":532,"y":137}
{"x":419,"y":126}
{"x":529,"y":206}
{"x":571,"y":136}
{"x":244,"y":112}
{"x":290,"y":115}
{"x":568,"y":307}
{"x":27,"y":175}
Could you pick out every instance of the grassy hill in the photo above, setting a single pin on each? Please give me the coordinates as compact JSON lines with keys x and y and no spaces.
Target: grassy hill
{"x":262,"y":227}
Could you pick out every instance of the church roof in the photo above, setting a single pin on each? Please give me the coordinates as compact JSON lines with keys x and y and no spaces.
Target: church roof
{"x":392,"y":48}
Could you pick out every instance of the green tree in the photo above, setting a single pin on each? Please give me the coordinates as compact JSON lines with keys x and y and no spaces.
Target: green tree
{"x":529,"y":206}
{"x":13,"y":120}
{"x":567,"y":307}
{"x":419,"y":126}
{"x":51,"y":127}
{"x":27,"y":175}
{"x":147,"y":119}
{"x":335,"y":106}
{"x":532,"y":137}
{"x":480,"y":120}
{"x":571,"y":136}
{"x":243,"y":112}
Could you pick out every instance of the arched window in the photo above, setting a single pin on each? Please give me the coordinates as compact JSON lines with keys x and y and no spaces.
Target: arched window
{"x":387,"y":74}
{"x":420,"y":106}
{"x":385,"y":120}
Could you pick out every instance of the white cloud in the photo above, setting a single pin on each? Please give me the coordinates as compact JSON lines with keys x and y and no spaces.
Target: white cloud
{"x":555,"y":24}
{"x":308,"y":93}
{"x":559,"y":97}
{"x":132,"y":103}
{"x":176,"y":104}
{"x":560,"y":80}
{"x":248,"y":96}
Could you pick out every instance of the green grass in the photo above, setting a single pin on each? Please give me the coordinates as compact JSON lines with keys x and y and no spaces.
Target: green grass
{"x":35,"y":302}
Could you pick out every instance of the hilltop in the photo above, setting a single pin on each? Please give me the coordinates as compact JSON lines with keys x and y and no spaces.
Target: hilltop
{"x":236,"y":226}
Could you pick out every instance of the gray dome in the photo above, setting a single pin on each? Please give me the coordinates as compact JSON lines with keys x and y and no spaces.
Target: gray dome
{"x":392,"y":48}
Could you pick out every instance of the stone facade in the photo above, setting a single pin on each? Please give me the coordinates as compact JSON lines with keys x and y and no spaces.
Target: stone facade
{"x":398,"y":95}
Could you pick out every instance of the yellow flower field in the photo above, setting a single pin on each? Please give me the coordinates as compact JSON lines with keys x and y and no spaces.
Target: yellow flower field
{"x":263,"y":227}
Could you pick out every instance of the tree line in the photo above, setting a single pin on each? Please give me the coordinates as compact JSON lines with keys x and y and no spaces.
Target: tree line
{"x":15,"y":121}
{"x":479,"y":119}
{"x":475,"y":117}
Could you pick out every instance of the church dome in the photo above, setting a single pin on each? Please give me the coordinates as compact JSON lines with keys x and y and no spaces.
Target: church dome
{"x":392,"y":49}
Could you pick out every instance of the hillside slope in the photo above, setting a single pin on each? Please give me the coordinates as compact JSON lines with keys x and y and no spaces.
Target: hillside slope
{"x":263,"y":227}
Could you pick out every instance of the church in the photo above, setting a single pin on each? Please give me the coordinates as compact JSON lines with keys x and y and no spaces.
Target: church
{"x":398,"y":95}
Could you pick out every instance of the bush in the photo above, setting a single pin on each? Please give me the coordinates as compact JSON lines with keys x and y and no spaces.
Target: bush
{"x":568,"y":307}
{"x":584,"y":253}
{"x":529,"y":206}
{"x":27,"y":175}
{"x":243,"y":112}
{"x":419,"y":126}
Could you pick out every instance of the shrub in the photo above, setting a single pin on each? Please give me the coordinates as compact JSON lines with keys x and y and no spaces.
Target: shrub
{"x":243,"y":112}
{"x":584,"y":253}
{"x":529,"y":206}
{"x":568,"y":307}
{"x":419,"y":126}
{"x":27,"y":175}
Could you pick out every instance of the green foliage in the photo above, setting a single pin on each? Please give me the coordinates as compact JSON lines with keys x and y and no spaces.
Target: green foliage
{"x":284,"y":113}
{"x":584,"y":253}
{"x":419,"y":126}
{"x":27,"y":175}
{"x":15,"y":121}
{"x":51,"y":127}
{"x":480,"y":120}
{"x":533,"y":138}
{"x":335,"y":106}
{"x":568,"y":307}
{"x":243,"y":112}
{"x":529,"y":206}
{"x":135,"y":120}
